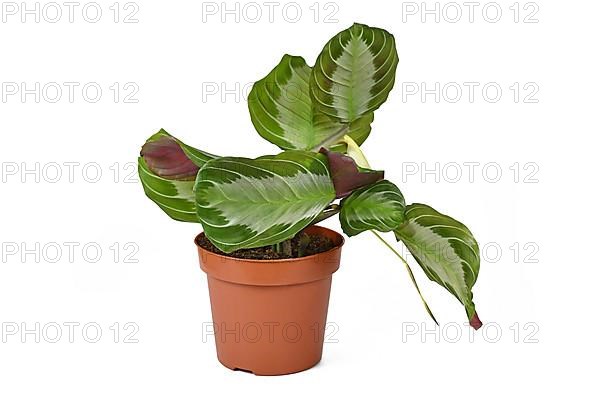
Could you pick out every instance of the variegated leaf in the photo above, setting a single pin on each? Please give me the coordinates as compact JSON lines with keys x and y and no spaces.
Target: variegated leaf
{"x":446,"y":250}
{"x":354,"y":73}
{"x":167,"y":168}
{"x":379,"y":206}
{"x":246,"y":203}
{"x":282,"y":112}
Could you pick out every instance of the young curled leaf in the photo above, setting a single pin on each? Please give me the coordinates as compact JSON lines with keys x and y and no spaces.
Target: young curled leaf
{"x":169,"y":158}
{"x":166,"y":159}
{"x":346,"y":175}
{"x":167,"y":168}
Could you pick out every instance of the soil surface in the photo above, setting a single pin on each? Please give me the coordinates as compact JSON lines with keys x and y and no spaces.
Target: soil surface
{"x":317,"y":244}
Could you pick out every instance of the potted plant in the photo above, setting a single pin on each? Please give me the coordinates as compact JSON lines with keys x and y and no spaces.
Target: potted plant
{"x":269,"y":265}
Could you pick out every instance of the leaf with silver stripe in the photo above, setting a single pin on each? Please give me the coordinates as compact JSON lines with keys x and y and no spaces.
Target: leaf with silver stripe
{"x":282,"y":111}
{"x":379,"y":206}
{"x":446,"y":250}
{"x":354,"y":73}
{"x":245,"y":203}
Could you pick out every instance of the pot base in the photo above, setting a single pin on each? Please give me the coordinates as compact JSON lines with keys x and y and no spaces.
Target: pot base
{"x":267,"y":374}
{"x":269,"y":330}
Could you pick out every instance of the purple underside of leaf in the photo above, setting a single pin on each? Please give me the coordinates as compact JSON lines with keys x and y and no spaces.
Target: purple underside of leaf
{"x":475,"y":322}
{"x":166,"y":158}
{"x":346,"y":175}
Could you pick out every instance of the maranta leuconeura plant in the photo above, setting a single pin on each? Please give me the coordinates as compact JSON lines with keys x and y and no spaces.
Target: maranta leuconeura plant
{"x":318,"y":116}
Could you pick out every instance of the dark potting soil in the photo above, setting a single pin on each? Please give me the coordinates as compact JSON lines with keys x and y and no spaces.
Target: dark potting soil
{"x":317,"y":244}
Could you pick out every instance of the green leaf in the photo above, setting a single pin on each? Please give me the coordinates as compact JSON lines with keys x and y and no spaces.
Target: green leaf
{"x":282,"y":112}
{"x":246,"y":203}
{"x":379,"y":206}
{"x":446,"y":250}
{"x":175,"y":198}
{"x":167,"y":168}
{"x":354,"y":73}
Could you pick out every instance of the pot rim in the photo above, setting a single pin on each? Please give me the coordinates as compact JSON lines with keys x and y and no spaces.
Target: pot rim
{"x":280,"y":260}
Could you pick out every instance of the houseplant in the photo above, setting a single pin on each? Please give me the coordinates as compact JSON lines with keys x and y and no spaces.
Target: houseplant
{"x":268,"y":207}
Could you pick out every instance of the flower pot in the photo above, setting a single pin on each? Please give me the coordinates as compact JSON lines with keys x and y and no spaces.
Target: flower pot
{"x":269,"y":316}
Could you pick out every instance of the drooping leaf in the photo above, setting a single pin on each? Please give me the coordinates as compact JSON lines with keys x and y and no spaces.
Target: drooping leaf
{"x":169,"y":157}
{"x":175,"y":198}
{"x":346,"y":175}
{"x":446,"y":250}
{"x":354,"y":73}
{"x":167,"y":168}
{"x":245,"y":203}
{"x":282,"y":112}
{"x":379,"y":206}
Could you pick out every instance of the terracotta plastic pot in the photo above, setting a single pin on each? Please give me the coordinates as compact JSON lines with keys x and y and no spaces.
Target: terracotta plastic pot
{"x":269,"y":316}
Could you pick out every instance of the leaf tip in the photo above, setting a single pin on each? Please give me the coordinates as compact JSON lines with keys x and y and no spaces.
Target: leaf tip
{"x":475,"y":322}
{"x":165,"y":157}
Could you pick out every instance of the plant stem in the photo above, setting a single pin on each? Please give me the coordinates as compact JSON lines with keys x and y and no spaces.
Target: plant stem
{"x":328,"y":212}
{"x":303,"y":242}
{"x":286,"y":248}
{"x":283,"y":248}
{"x":412,"y":276}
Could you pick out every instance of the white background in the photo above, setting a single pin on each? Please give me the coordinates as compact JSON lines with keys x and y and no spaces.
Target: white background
{"x":176,"y":54}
